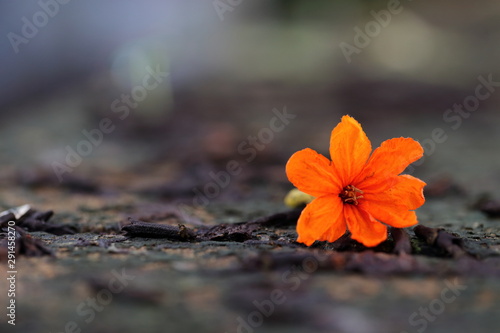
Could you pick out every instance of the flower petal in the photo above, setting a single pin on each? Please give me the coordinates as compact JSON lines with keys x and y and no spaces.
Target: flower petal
{"x":389,"y":160}
{"x":363,"y":227}
{"x":393,"y":217}
{"x":409,"y":190}
{"x":312,"y":173}
{"x":407,"y":193}
{"x":349,"y":149}
{"x":394,"y":206}
{"x":322,"y":220}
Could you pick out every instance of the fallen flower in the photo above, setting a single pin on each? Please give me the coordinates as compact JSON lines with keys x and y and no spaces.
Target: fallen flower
{"x":356,"y":190}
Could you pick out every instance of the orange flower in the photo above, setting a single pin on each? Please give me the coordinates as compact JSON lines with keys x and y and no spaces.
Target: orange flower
{"x":355,"y":190}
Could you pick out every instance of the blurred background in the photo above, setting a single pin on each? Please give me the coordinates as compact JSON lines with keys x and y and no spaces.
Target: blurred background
{"x":222,"y":68}
{"x":111,"y":109}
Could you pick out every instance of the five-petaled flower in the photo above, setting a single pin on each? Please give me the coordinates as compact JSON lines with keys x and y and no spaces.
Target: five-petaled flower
{"x":356,"y":190}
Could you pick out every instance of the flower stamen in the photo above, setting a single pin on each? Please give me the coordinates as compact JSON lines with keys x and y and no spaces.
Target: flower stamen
{"x":349,"y":194}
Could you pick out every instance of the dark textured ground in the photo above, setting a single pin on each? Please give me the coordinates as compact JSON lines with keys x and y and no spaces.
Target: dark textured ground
{"x":209,"y":286}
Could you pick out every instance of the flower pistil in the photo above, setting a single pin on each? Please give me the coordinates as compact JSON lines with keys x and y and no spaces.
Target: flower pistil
{"x":350,"y":194}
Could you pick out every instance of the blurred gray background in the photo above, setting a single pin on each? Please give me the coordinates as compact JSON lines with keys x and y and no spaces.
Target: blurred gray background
{"x":228,"y":67}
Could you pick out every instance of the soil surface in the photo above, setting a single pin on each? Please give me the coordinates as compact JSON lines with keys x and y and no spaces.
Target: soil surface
{"x":248,"y":277}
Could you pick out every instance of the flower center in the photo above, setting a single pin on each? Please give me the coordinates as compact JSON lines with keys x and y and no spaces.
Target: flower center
{"x":349,"y":195}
